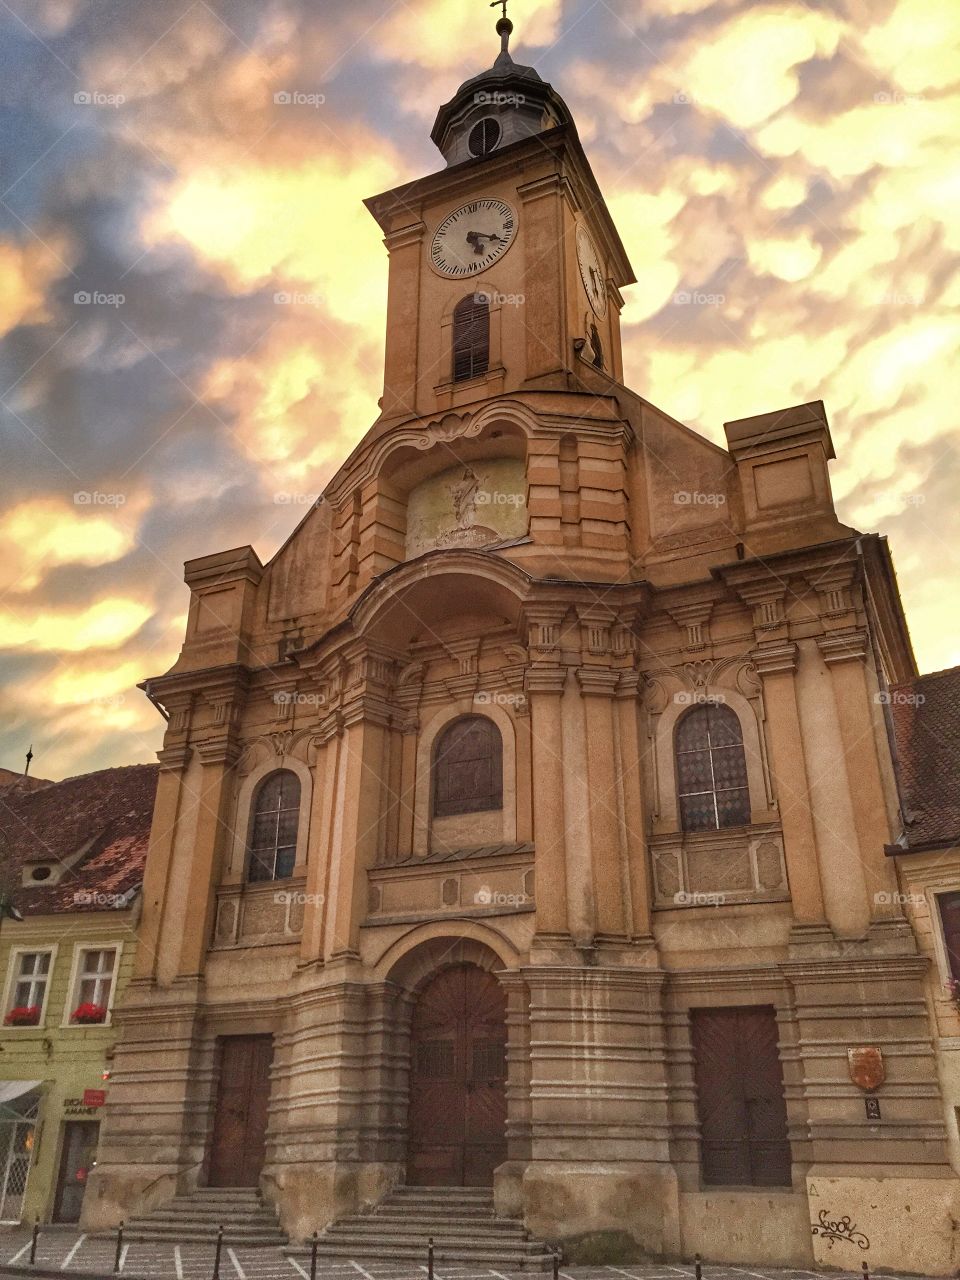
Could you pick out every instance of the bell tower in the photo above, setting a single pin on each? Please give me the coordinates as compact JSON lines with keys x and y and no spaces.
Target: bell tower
{"x":505,"y":266}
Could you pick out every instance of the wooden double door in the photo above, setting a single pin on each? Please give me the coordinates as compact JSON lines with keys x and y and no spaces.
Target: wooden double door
{"x":240,"y":1123}
{"x":458,"y":1109}
{"x":740,"y":1098}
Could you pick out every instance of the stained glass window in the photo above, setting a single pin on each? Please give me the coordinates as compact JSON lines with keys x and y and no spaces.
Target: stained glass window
{"x":711,"y":769}
{"x":273,"y":827}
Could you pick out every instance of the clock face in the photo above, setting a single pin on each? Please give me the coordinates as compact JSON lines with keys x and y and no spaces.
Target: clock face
{"x":591,"y":272}
{"x":472,"y":237}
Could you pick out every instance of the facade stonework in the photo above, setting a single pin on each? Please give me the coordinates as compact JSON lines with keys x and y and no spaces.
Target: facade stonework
{"x":540,"y":547}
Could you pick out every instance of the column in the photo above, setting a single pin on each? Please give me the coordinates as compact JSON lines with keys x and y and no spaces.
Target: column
{"x":776,"y":665}
{"x":544,"y":687}
{"x":845,"y":655}
{"x":597,"y":685}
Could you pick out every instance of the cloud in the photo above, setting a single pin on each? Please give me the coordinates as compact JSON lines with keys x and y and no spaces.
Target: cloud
{"x":37,"y":535}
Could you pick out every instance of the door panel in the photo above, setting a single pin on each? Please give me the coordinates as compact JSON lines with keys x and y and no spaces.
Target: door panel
{"x":740,"y":1102}
{"x":240,"y":1124}
{"x":79,"y":1151}
{"x":457,"y":1114}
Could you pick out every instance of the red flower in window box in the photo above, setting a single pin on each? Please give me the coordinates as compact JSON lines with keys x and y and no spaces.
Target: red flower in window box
{"x":24,"y":1015}
{"x":89,"y":1013}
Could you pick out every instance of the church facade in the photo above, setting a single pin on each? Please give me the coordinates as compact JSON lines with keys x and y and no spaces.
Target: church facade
{"x":523,"y":822}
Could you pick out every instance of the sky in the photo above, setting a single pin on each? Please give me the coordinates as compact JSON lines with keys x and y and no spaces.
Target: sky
{"x":192,"y":295}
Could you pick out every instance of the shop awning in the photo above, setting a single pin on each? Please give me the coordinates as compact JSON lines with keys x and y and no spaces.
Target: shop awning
{"x":15,"y":1100}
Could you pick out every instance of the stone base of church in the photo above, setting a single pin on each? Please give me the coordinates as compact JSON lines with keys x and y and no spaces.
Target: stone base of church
{"x":310,"y":1197}
{"x":117,"y":1195}
{"x":603,"y":1209}
{"x":902,"y":1224}
{"x":765,"y":1226}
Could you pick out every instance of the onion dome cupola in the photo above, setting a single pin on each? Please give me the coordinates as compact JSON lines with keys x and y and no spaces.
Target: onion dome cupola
{"x":497,"y":107}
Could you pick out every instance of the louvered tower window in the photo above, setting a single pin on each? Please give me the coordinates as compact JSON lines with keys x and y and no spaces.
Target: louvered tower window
{"x":711,"y":770}
{"x":468,"y":767}
{"x":471,"y":337}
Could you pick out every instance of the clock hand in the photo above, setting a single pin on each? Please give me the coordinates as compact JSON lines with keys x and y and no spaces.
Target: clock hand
{"x":474,"y":239}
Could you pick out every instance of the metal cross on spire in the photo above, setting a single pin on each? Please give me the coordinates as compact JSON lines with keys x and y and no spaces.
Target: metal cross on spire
{"x":504,"y":25}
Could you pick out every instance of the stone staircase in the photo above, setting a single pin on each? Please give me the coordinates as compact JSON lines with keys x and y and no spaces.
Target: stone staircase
{"x":461,"y":1221}
{"x":196,"y":1218}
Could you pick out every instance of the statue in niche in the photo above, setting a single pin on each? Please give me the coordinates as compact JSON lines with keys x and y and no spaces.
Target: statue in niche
{"x":466,"y":532}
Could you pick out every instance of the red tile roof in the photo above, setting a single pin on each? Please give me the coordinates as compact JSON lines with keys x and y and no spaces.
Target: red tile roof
{"x":926,"y":720}
{"x":103,"y":817}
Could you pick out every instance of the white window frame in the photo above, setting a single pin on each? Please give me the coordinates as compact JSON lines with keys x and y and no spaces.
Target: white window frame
{"x":13,"y":976}
{"x":73,"y":989}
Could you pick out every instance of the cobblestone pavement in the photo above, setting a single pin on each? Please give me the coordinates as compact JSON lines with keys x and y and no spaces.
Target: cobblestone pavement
{"x":68,"y":1250}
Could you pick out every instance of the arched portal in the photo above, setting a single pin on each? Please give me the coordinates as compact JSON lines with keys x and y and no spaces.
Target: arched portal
{"x":458,"y":1108}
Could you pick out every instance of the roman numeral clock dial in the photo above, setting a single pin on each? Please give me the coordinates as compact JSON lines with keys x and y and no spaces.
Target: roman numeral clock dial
{"x":473,"y":237}
{"x":591,"y":272}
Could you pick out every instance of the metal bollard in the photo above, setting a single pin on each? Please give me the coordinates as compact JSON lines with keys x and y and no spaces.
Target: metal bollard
{"x":216,"y":1260}
{"x":556,"y":1264}
{"x":116,"y":1256}
{"x":313,"y":1257}
{"x":430,"y":1258}
{"x":697,"y":1268}
{"x":33,"y":1240}
{"x":866,"y":1271}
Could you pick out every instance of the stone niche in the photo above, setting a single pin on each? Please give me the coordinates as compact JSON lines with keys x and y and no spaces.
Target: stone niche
{"x":264,"y":913}
{"x":474,"y":504}
{"x":733,"y":866}
{"x":489,"y":881}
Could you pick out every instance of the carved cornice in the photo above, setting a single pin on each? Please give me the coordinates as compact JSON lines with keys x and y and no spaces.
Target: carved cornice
{"x":597,"y":681}
{"x":844,"y":646}
{"x":223,"y":749}
{"x":538,"y":680}
{"x":174,"y":758}
{"x":775,"y":659}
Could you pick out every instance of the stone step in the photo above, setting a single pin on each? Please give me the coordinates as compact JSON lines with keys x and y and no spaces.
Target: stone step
{"x":186,"y":1233}
{"x":377,"y":1225}
{"x":221,"y":1193}
{"x":213,"y":1213}
{"x":164,"y":1218}
{"x":432,"y":1223}
{"x":528,"y":1257}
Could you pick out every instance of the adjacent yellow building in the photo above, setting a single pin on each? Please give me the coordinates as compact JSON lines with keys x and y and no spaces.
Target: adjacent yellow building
{"x":72,"y":863}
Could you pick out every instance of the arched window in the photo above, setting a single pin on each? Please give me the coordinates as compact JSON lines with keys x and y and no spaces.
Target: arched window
{"x":467,"y":767}
{"x":273,"y":827}
{"x":471,"y":337}
{"x":711,"y":769}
